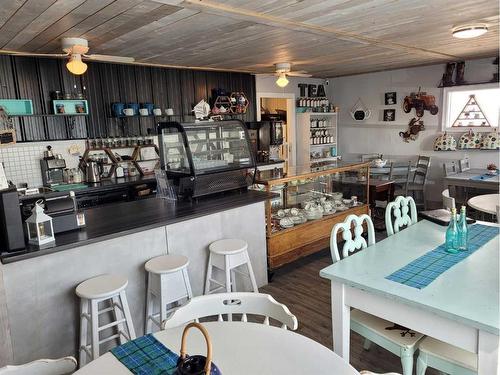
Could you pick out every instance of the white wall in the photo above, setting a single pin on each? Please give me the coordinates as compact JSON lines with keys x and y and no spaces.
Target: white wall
{"x":268,"y":84}
{"x":377,"y":136}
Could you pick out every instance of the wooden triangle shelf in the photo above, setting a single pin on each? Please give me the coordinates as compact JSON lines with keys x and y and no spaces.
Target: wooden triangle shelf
{"x":478,"y":119}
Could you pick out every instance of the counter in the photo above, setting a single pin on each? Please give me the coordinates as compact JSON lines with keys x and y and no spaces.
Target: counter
{"x":38,"y":305}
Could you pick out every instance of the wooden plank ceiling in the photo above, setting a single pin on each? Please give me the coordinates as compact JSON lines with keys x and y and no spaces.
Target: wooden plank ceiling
{"x":326,"y":38}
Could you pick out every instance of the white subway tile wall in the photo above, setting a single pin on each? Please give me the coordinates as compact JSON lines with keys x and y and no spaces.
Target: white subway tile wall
{"x":22,"y":161}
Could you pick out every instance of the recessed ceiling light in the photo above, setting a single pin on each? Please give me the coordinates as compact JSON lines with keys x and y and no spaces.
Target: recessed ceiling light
{"x":469,"y":31}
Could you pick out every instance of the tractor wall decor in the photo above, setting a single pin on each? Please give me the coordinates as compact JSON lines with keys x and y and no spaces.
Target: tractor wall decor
{"x":421,"y":101}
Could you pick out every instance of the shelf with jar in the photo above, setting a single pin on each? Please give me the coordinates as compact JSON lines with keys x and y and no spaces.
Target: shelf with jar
{"x":316,"y":137}
{"x":308,"y":203}
{"x":122,"y":157}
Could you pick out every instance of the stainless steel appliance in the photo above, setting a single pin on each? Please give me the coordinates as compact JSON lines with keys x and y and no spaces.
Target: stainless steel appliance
{"x":206,"y":157}
{"x":264,"y":135}
{"x":52,"y":171}
{"x":94,"y":171}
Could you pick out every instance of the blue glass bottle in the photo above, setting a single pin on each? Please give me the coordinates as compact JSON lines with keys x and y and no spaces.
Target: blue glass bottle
{"x":463,"y":232}
{"x":452,"y":233}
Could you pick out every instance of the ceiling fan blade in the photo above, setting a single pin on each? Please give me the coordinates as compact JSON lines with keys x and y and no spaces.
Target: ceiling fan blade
{"x":299,"y":74}
{"x":109,"y":58}
{"x":32,"y":54}
{"x":265,"y":74}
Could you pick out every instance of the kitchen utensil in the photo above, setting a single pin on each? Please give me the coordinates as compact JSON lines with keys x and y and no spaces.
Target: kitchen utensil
{"x":143,"y":112}
{"x":94,"y":171}
{"x":128,"y":111}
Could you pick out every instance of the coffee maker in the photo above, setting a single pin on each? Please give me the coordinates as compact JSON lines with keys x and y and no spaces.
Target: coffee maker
{"x":52,"y":168}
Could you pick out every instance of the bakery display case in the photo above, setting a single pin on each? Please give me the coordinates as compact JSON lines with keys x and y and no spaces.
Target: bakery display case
{"x":307,"y":203}
{"x":206,"y":157}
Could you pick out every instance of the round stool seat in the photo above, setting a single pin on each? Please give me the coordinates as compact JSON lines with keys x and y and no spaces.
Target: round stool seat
{"x":101,"y":286}
{"x":228,"y":246}
{"x":167,"y":264}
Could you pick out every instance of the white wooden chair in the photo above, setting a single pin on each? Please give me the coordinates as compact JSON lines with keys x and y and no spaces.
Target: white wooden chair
{"x":61,"y":366}
{"x":445,"y":357}
{"x":245,"y":303}
{"x":372,"y":328}
{"x":448,"y":202}
{"x":405,"y":213}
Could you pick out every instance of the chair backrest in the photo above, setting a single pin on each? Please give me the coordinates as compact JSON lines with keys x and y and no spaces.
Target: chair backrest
{"x":449,"y":168}
{"x":355,"y":242}
{"x":405,"y":213}
{"x":498,"y":214}
{"x":421,"y":170}
{"x":400,"y":174}
{"x":448,"y":202}
{"x":232,"y":303}
{"x":365,"y":372}
{"x":369,"y":157}
{"x":464,"y":164}
{"x":61,"y":366}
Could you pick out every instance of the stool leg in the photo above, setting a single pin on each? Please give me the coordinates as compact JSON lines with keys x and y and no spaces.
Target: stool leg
{"x":148,"y":323}
{"x":94,"y":319}
{"x":233,"y":281}
{"x":227,"y":272}
{"x":118,"y":316}
{"x":251,"y":275}
{"x":84,"y":311}
{"x":209,"y":274}
{"x":163,"y":300}
{"x":189,"y":291}
{"x":128,"y":317}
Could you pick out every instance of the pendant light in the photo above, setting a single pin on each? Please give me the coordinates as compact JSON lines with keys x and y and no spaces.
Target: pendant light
{"x":75,"y":64}
{"x":282,"y":81}
{"x":469,"y":31}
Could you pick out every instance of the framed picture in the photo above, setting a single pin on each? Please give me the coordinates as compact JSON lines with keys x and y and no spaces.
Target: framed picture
{"x":389,"y":114}
{"x":390,"y":98}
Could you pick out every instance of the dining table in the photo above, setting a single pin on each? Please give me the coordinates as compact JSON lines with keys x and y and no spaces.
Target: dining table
{"x":472,"y":178}
{"x":459,"y":307}
{"x":485,"y":203}
{"x":243,"y":348}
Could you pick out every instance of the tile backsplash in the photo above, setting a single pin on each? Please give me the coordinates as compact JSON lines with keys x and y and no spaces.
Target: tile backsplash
{"x":22,"y":160}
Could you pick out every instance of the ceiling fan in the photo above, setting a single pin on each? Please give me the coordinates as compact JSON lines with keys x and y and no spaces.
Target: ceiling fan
{"x":76,"y":49}
{"x":282,"y":70}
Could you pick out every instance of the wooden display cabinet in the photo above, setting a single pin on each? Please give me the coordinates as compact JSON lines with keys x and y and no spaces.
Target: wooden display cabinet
{"x":304,"y":189}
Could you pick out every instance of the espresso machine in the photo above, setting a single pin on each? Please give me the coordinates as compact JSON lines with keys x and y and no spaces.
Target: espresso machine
{"x":52,"y":168}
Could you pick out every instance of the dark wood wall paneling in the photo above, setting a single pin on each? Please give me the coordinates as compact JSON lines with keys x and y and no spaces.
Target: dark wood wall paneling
{"x":103,"y":84}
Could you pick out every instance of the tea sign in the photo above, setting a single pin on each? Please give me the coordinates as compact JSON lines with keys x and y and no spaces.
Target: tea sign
{"x":312,"y":91}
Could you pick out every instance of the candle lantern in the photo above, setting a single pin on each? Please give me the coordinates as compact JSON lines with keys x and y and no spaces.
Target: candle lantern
{"x":40,"y":229}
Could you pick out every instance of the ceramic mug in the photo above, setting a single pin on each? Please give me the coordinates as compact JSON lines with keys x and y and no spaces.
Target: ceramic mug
{"x":117,"y":109}
{"x":143,"y":112}
{"x":60,"y":108}
{"x":169,"y":112}
{"x":134,"y":107}
{"x":149,"y":107}
{"x":128,"y":111}
{"x":157,"y":112}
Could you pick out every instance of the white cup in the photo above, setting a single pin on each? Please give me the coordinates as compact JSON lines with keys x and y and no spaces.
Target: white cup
{"x":157,"y":112}
{"x":128,"y":111}
{"x":169,"y":112}
{"x":143,"y":112}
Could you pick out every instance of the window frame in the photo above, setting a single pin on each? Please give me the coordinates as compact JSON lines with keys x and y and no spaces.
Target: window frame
{"x":445,"y":109}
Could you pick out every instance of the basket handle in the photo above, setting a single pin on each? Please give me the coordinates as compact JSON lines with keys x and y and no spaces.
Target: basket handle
{"x":208,"y":363}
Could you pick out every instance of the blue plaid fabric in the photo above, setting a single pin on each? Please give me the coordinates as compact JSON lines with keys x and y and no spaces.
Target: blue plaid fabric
{"x":146,"y":356}
{"x":424,"y":270}
{"x":484,"y":176}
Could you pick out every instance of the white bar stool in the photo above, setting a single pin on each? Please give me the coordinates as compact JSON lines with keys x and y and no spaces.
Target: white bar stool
{"x":227,"y":255}
{"x":168,"y":283}
{"x":109,"y":288}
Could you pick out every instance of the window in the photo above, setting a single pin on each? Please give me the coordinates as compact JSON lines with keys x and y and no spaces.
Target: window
{"x":475,"y":106}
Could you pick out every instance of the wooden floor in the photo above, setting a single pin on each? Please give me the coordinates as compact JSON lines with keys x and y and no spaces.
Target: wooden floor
{"x":307,"y":295}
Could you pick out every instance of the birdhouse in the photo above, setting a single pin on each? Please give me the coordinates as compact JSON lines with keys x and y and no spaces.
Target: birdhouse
{"x":40,"y":229}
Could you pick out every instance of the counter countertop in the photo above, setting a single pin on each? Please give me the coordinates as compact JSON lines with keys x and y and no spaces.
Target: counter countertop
{"x":115,"y":220}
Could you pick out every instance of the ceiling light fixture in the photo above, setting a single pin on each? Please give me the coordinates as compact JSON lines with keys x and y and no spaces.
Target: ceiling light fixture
{"x":282,"y":81}
{"x":75,"y":64}
{"x":469,"y":31}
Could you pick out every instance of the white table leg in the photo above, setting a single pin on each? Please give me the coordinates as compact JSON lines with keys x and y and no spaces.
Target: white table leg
{"x":341,"y":315}
{"x":488,"y":354}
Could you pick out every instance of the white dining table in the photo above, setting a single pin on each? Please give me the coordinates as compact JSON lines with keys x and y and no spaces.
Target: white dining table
{"x":460,"y":307}
{"x":244,"y":349}
{"x":485,"y":203}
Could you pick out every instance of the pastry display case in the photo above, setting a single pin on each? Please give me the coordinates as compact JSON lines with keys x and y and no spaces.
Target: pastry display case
{"x":206,"y":157}
{"x":307,"y":203}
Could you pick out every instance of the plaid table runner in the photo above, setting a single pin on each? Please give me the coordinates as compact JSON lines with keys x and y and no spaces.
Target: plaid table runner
{"x":484,"y":176}
{"x":146,"y":356}
{"x":424,"y":270}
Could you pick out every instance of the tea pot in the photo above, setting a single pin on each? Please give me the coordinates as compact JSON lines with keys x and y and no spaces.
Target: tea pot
{"x":196,"y":364}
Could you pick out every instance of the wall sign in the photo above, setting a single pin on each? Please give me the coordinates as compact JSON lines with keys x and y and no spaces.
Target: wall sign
{"x":312,"y":91}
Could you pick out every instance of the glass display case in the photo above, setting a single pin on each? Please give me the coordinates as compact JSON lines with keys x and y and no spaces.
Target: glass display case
{"x":206,"y":157}
{"x":308,"y":202}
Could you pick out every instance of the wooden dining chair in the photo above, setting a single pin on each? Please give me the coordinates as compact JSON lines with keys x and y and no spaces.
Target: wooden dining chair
{"x":61,"y":366}
{"x":244,"y":303}
{"x":400,"y":174}
{"x":445,"y":357}
{"x":396,"y":339}
{"x":417,"y":185}
{"x":404,"y":211}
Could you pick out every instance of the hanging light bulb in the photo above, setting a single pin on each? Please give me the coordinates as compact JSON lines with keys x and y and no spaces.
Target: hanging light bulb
{"x":282,"y":81}
{"x":75,"y":64}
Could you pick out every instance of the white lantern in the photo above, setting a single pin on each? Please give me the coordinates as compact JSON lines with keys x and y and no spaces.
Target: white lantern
{"x":40,"y":229}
